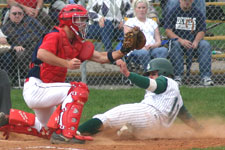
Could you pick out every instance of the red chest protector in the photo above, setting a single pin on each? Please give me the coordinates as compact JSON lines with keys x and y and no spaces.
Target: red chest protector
{"x":50,"y":73}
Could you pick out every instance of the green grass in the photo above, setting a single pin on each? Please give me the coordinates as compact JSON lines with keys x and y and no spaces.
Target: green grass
{"x":201,"y":102}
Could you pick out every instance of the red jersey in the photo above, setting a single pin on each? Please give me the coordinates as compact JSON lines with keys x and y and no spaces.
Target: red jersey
{"x":58,"y":44}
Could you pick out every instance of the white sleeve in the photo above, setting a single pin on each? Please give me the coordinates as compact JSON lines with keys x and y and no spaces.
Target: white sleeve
{"x":154,"y":24}
{"x":152,"y":85}
{"x":130,"y":22}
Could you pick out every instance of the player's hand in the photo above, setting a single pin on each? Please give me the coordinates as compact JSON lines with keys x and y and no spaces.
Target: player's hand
{"x":123,"y":67}
{"x":74,"y":64}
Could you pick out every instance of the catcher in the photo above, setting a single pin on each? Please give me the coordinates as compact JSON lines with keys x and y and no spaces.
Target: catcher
{"x":162,"y":103}
{"x":62,"y":49}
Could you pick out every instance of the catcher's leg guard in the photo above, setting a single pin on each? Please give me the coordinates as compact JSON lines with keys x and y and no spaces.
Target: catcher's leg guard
{"x":22,"y":122}
{"x":68,"y":117}
{"x":72,"y":112}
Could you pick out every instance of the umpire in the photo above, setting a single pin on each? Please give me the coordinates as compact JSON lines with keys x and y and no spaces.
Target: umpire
{"x":5,"y":99}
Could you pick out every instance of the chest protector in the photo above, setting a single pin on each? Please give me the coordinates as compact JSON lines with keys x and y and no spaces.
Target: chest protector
{"x":66,"y":50}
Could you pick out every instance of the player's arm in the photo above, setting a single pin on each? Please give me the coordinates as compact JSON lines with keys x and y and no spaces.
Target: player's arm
{"x":106,"y":57}
{"x":157,"y":86}
{"x":187,"y":118}
{"x":50,"y":58}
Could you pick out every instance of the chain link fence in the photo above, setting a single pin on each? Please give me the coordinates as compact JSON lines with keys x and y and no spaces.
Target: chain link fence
{"x":107,"y":75}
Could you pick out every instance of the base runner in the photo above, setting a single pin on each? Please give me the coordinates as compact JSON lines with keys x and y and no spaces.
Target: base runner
{"x":162,"y":103}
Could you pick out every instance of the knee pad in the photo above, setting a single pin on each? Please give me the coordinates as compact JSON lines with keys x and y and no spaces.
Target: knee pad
{"x":79,"y":91}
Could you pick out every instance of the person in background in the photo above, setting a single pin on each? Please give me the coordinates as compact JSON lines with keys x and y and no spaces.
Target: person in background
{"x":187,"y":24}
{"x":168,"y":5}
{"x":149,"y":27}
{"x":106,"y":19}
{"x":22,"y":33}
{"x":34,"y":8}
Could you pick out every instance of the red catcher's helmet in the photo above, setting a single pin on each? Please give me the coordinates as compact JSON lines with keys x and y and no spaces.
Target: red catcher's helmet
{"x":75,"y":17}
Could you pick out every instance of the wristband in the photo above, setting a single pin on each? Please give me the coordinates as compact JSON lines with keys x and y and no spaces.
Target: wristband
{"x":110,"y":57}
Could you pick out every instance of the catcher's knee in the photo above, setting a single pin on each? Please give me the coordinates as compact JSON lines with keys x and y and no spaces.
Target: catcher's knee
{"x":79,"y":92}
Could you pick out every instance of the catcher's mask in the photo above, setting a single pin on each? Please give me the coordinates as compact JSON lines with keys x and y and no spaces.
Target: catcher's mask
{"x":162,"y":65}
{"x":75,"y":17}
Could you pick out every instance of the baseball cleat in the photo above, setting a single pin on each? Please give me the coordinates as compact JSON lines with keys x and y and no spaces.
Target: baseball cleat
{"x":60,"y":139}
{"x":4,"y":120}
{"x":126,"y":131}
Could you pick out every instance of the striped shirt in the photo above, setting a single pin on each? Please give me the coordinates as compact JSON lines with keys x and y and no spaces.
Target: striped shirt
{"x":114,"y":10}
{"x":167,"y":104}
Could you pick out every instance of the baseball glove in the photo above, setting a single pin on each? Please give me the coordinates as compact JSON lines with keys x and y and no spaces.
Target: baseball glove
{"x":134,"y":39}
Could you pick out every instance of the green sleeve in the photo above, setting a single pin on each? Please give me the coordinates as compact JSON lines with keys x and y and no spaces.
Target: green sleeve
{"x":187,"y":118}
{"x":161,"y":84}
{"x":139,"y":80}
{"x":143,"y":82}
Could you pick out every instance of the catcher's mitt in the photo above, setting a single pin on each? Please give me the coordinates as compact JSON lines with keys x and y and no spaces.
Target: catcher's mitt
{"x":134,"y":39}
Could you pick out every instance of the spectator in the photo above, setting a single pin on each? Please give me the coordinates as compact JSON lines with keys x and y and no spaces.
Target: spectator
{"x":162,"y":103}
{"x":34,"y":8}
{"x":22,"y":33}
{"x":168,"y":5}
{"x":5,"y":99}
{"x":150,"y":29}
{"x":152,"y":13}
{"x":107,"y":17}
{"x":187,"y":24}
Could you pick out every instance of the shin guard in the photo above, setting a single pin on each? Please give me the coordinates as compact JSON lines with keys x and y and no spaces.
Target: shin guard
{"x":71,"y":114}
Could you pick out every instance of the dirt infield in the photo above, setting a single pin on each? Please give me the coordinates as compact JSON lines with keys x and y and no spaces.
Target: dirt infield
{"x":177,"y":137}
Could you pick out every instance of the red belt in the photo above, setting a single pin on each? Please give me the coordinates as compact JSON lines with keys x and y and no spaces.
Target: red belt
{"x":27,"y":79}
